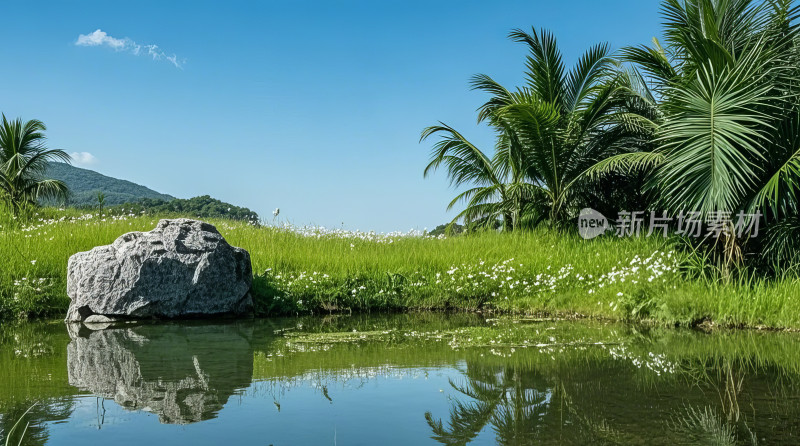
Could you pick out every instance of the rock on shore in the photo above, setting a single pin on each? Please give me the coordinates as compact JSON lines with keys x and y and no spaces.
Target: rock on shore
{"x":182,"y":268}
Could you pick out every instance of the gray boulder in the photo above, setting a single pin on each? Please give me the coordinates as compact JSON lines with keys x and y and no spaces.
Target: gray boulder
{"x":182,"y":268}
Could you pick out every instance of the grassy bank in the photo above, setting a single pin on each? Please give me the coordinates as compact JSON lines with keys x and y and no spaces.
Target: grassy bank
{"x":302,"y":271}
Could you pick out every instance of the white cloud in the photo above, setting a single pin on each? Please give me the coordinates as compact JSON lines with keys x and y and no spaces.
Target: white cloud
{"x":83,"y":158}
{"x":101,"y":38}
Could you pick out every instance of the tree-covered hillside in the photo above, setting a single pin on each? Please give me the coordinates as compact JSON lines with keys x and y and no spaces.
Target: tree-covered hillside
{"x":85,"y":184}
{"x":125,"y":197}
{"x":197,"y":207}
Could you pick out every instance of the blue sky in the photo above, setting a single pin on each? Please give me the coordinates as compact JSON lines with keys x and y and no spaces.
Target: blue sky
{"x":313,"y":107}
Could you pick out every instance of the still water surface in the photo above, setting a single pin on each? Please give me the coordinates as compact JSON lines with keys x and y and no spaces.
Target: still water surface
{"x":403,"y":379}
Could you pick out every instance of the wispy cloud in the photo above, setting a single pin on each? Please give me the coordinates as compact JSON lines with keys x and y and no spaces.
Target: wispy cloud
{"x":101,"y":38}
{"x":83,"y":158}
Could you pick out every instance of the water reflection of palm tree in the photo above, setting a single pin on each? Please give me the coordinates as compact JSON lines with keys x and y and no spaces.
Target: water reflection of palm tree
{"x":522,"y":406}
{"x":705,"y":424}
{"x":504,"y":397}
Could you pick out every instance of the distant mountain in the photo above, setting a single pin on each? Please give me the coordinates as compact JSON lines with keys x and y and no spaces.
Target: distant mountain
{"x":84,"y":184}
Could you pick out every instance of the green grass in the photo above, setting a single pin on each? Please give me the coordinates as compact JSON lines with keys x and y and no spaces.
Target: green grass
{"x":538,"y":272}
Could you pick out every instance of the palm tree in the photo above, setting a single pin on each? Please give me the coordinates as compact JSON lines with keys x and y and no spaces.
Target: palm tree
{"x":727,"y":80}
{"x":23,"y":163}
{"x":549,"y":132}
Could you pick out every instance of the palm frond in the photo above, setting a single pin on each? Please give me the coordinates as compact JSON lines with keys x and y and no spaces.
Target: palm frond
{"x":625,"y":163}
{"x":500,"y":96}
{"x":583,"y":78}
{"x":544,"y":66}
{"x":713,"y":136}
{"x":652,"y":60}
{"x":464,"y":162}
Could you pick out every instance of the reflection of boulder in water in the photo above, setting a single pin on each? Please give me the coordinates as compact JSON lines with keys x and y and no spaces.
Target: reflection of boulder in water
{"x":184,"y":373}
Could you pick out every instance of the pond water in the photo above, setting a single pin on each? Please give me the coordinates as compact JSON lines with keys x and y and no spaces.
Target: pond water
{"x":401,"y":379}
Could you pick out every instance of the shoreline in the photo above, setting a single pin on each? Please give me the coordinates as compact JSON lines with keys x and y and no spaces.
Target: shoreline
{"x":302,"y":271}
{"x":704,"y":325}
